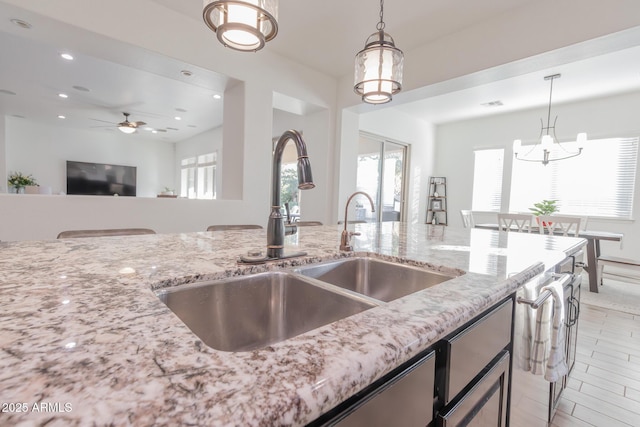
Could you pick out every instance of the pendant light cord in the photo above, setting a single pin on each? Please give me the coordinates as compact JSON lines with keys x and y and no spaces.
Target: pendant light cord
{"x":380,"y":25}
{"x":549,"y":110}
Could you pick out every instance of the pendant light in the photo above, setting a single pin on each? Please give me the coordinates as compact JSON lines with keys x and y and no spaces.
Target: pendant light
{"x":244,"y":25}
{"x":544,"y":151}
{"x":378,"y":71}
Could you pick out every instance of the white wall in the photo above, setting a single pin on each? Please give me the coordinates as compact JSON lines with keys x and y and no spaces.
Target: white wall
{"x":203,"y":143}
{"x":42,"y":151}
{"x":605,"y":117}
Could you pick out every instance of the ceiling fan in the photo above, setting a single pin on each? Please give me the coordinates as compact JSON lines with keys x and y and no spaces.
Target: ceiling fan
{"x":127,"y":126}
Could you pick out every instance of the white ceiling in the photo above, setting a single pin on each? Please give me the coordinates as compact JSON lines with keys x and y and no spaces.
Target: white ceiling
{"x":119,"y":78}
{"x":125,"y":78}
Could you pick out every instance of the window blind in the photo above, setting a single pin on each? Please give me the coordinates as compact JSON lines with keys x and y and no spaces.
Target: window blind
{"x":487,"y":180}
{"x":600,"y":182}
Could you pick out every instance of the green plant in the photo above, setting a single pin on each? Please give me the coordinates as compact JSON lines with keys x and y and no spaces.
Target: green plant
{"x":18,"y":179}
{"x":545,"y":207}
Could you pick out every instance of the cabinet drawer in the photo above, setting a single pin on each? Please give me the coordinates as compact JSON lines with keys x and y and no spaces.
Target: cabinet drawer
{"x":406,"y":400}
{"x":469,"y":351}
{"x":485,"y":404}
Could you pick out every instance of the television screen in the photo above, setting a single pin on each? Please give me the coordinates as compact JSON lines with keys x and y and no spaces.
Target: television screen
{"x":100,"y":179}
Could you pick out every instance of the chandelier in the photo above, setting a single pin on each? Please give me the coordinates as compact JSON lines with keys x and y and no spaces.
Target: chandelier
{"x":544,"y":151}
{"x":378,"y":71}
{"x":244,"y":25}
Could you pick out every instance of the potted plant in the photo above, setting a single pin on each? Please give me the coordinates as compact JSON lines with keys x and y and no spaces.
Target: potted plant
{"x":167,"y":191}
{"x":19,"y":181}
{"x":545,"y":207}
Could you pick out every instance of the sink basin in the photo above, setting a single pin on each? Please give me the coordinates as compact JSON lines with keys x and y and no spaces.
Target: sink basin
{"x":250,"y":312}
{"x":374,"y":278}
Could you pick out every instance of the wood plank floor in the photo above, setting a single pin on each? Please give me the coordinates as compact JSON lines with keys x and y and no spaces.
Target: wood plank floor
{"x":604,"y":387}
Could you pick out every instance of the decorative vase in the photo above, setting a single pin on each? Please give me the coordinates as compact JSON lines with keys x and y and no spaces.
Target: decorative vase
{"x":544,"y":223}
{"x":16,"y":190}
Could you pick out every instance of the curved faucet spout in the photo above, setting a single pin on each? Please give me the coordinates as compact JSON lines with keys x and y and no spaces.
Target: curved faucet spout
{"x":345,"y":238}
{"x":275,"y":227}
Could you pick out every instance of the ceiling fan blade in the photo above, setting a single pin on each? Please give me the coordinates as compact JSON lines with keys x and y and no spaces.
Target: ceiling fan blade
{"x":139,"y":123}
{"x":103,"y":121}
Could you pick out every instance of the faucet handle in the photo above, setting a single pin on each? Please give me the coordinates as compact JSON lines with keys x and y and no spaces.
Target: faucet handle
{"x":345,"y":240}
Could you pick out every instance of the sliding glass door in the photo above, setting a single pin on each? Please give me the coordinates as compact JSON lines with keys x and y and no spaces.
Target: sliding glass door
{"x":381,"y":174}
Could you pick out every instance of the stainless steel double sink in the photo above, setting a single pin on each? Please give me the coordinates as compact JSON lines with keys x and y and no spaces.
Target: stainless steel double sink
{"x":251,"y":312}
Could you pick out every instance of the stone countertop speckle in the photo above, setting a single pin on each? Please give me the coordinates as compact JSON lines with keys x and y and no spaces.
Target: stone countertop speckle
{"x":85,"y":340}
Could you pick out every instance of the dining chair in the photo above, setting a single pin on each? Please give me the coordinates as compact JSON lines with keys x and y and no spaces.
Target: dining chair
{"x":233,"y":227}
{"x":514,"y":222}
{"x":69,"y":234}
{"x":306,"y":223}
{"x":556,"y":224}
{"x":467,"y":218}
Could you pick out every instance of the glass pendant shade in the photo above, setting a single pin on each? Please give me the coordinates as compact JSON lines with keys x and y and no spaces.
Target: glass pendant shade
{"x":244,"y":25}
{"x":378,"y":70}
{"x":126,"y":129}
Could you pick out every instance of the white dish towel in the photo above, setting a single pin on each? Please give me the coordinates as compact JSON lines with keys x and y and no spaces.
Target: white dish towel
{"x":548,"y":346}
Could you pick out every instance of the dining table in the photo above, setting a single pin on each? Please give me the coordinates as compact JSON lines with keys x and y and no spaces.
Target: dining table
{"x":593,"y":238}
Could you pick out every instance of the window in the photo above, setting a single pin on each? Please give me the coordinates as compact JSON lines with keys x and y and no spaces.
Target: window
{"x":198,"y":177}
{"x":599,"y":182}
{"x":487,"y":180}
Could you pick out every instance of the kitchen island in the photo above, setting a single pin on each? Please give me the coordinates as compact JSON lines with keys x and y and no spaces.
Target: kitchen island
{"x":85,"y":340}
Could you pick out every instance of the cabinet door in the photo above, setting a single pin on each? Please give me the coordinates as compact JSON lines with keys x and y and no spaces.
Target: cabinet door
{"x":404,"y":401}
{"x":485,"y":404}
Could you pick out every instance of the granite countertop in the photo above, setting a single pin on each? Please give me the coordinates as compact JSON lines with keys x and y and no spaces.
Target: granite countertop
{"x":86,"y":341}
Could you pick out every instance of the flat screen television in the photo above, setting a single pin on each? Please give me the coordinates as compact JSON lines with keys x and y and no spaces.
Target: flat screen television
{"x":100,"y":179}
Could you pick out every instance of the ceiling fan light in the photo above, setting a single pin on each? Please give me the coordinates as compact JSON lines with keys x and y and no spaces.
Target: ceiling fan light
{"x":126,"y":128}
{"x":244,"y":25}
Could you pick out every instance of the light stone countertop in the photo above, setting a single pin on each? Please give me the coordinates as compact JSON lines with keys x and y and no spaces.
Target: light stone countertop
{"x":82,"y":331}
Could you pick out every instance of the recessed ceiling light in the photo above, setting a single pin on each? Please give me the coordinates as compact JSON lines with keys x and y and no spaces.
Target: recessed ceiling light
{"x":178,"y":118}
{"x":81,"y":88}
{"x":216,"y":96}
{"x":154,"y":131}
{"x":20,"y":23}
{"x":186,"y":73}
{"x":7,"y":92}
{"x":63,"y":95}
{"x":62,"y":117}
{"x":148,"y":129}
{"x":170,"y":128}
{"x":66,"y":56}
